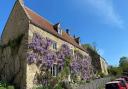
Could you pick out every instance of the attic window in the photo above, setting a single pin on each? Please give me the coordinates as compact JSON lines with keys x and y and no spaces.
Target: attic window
{"x":57,"y":28}
{"x":77,"y":39}
{"x":60,"y":31}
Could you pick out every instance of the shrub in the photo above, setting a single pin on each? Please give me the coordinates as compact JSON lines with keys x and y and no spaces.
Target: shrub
{"x":43,"y":87}
{"x":88,"y":81}
{"x":2,"y":88}
{"x":4,"y":85}
{"x":66,"y":85}
{"x":102,"y":75}
{"x":10,"y":87}
{"x":59,"y":86}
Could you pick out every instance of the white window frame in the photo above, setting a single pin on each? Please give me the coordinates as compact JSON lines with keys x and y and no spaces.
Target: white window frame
{"x":54,"y":70}
{"x":60,"y":31}
{"x":54,"y":45}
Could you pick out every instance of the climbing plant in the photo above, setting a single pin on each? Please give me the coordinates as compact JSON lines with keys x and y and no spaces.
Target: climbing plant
{"x":41,"y":54}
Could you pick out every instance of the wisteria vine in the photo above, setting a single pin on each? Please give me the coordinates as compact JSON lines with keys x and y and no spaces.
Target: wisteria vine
{"x":40,"y":54}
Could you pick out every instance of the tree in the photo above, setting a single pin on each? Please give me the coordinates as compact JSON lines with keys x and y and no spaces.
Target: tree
{"x":114,"y":70}
{"x":123,"y":64}
{"x":91,"y":46}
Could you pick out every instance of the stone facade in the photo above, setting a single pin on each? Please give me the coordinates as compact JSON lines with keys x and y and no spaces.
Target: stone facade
{"x":15,"y":38}
{"x":104,"y":66}
{"x":35,"y":29}
{"x":33,"y":69}
{"x":14,"y":47}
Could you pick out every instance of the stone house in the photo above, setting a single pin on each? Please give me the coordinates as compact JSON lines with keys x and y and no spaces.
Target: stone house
{"x":18,"y":33}
{"x":104,"y":66}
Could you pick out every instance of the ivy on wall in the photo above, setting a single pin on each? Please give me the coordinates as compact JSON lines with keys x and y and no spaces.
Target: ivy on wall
{"x":15,"y":43}
{"x":13,"y":46}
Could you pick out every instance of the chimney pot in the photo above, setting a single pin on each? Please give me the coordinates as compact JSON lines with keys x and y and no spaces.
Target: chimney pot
{"x":74,"y":36}
{"x":21,"y":1}
{"x":67,"y":31}
{"x":56,"y":26}
{"x":77,"y":39}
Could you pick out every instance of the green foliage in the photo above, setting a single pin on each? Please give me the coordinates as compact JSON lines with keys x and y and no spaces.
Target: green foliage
{"x":4,"y":85}
{"x":3,"y":88}
{"x":43,"y":87}
{"x":101,"y":74}
{"x":113,"y":78}
{"x":116,"y":71}
{"x":10,"y":87}
{"x":90,"y":46}
{"x":58,"y":86}
{"x":122,"y":69}
{"x":88,"y":81}
{"x":123,"y":63}
{"x":66,"y":70}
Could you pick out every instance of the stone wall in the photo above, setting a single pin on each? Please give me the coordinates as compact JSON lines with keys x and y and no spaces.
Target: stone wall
{"x":14,"y":47}
{"x":104,"y":66}
{"x":13,"y":63}
{"x":33,"y":69}
{"x":15,"y":37}
{"x":35,"y":29}
{"x":16,"y":25}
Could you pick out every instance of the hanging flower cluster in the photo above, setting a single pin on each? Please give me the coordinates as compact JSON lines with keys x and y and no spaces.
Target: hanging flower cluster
{"x":63,"y":54}
{"x":40,"y":52}
{"x":81,"y":65}
{"x":86,"y":68}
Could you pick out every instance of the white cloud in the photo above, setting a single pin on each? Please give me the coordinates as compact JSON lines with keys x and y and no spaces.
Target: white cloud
{"x":105,"y":9}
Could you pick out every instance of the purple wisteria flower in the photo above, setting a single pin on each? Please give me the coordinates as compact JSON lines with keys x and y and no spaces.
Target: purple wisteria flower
{"x":40,"y":53}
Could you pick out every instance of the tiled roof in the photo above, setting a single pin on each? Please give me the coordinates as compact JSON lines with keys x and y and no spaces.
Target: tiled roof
{"x":47,"y":26}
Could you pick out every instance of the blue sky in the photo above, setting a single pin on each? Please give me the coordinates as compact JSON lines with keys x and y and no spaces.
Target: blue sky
{"x":103,"y":22}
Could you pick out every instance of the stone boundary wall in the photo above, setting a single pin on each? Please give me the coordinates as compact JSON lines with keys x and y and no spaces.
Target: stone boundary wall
{"x":96,"y":84}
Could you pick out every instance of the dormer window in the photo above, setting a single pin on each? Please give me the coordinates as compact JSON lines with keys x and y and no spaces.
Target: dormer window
{"x":57,"y":28}
{"x":67,"y":31}
{"x":77,"y":39}
{"x":60,"y":31}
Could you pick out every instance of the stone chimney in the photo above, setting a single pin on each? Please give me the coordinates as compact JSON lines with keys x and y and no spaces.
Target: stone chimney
{"x":67,"y":31}
{"x":56,"y":26}
{"x":74,"y":36}
{"x":77,"y":39}
{"x":21,"y":2}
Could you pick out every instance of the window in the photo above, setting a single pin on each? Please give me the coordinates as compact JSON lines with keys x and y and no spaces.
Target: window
{"x":55,"y":69}
{"x":72,"y":51}
{"x":59,"y":31}
{"x":54,"y":45}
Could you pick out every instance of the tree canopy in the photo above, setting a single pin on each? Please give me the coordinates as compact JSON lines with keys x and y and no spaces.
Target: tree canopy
{"x":123,"y":64}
